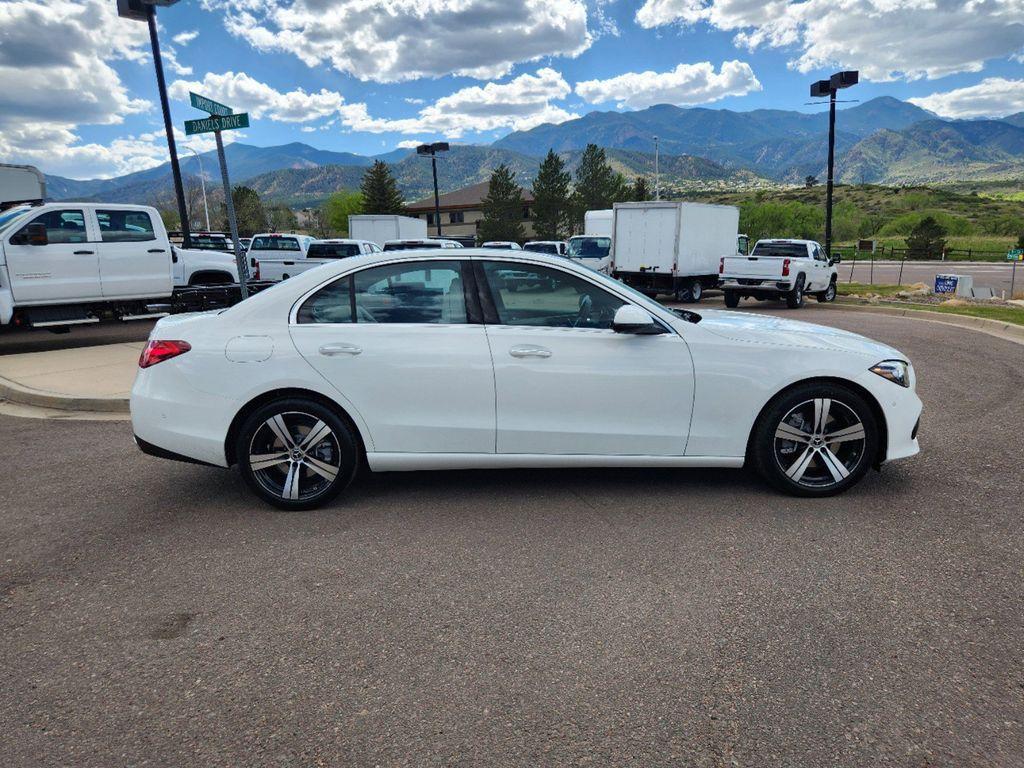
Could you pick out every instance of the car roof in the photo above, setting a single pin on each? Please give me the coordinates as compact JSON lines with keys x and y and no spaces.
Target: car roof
{"x":785,"y":240}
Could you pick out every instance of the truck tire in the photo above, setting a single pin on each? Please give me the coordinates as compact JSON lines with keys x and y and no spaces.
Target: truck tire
{"x":829,"y":294}
{"x":732,"y":299}
{"x":695,"y":292}
{"x":795,"y":298}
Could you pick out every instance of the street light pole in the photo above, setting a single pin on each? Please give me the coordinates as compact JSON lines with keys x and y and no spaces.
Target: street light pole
{"x":657,"y":176}
{"x":821,"y":89}
{"x":161,"y":85}
{"x":202,"y":182}
{"x":431,"y":150}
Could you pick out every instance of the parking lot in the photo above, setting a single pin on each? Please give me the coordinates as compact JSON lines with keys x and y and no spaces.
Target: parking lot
{"x":154,"y":613}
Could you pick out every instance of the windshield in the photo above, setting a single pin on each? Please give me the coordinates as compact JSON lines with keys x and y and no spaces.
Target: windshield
{"x":780,"y":250}
{"x":414,"y":246}
{"x":275,"y":244}
{"x":207,"y":243}
{"x":589,"y":247}
{"x":332,"y":250}
{"x":8,"y":216}
{"x":542,"y":248}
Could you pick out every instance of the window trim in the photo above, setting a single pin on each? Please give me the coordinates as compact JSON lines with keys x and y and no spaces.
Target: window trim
{"x":469,"y":292}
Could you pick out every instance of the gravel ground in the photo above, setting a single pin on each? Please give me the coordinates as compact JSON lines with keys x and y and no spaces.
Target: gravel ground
{"x":153,"y":613}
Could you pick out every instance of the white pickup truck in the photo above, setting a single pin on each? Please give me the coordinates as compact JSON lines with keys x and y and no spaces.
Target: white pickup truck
{"x":64,"y":264}
{"x":319,"y":252}
{"x":788,"y":269}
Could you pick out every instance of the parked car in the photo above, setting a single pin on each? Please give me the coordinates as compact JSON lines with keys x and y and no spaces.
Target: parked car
{"x":271,"y":245}
{"x":419,"y":243}
{"x":427,"y":360}
{"x":780,"y":269}
{"x":319,"y":252}
{"x":506,"y":245}
{"x":555,"y":247}
{"x":62,"y":264}
{"x":593,"y":251}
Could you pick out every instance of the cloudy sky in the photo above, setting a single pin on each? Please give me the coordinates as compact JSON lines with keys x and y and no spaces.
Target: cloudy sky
{"x":79,"y":94}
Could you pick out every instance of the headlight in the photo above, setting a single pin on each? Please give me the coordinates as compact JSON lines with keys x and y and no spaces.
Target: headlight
{"x":896,"y":371}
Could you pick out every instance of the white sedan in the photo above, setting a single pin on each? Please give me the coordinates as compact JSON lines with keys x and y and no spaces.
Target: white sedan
{"x":451,"y":359}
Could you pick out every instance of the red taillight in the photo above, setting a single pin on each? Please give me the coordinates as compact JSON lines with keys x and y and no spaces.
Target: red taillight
{"x":158,"y":351}
{"x":721,"y":266}
{"x":785,"y":267}
{"x":256,"y":270}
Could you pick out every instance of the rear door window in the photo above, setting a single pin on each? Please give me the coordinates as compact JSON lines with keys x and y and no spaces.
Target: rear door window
{"x":275,"y":244}
{"x":125,"y":226}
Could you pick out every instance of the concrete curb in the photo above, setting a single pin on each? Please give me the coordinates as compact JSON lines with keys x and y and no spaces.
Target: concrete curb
{"x":997,"y":328}
{"x":19,"y":393}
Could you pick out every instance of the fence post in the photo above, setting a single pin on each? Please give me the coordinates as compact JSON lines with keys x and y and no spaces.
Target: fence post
{"x":872,"y":266}
{"x":853,"y":263}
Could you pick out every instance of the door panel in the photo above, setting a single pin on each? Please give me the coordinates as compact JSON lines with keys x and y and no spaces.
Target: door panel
{"x":418,"y":372}
{"x":566,"y":383}
{"x":132,"y":261}
{"x":65,"y":269}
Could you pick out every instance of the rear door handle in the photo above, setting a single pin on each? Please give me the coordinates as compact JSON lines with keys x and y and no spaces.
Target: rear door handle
{"x":85,"y":253}
{"x":156,"y":250}
{"x":530,"y":351}
{"x":330,"y":350}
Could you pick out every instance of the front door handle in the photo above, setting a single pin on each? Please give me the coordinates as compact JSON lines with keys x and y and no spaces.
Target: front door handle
{"x":85,"y":253}
{"x":330,"y":350}
{"x":530,"y":351}
{"x":156,"y":250}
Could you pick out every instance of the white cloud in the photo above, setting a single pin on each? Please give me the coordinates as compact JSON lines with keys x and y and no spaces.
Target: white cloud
{"x":884,"y":39}
{"x":519,"y":104}
{"x":184,"y":38}
{"x":409,"y":144}
{"x":402,"y":40}
{"x":992,"y":97}
{"x":246,"y":94}
{"x":414,"y":101}
{"x":687,"y":84}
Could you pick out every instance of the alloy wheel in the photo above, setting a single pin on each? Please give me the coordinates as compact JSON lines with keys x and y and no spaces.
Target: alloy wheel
{"x":295,"y":456}
{"x":819,"y":443}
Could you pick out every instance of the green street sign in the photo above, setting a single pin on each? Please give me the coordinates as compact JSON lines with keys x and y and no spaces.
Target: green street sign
{"x":1017,"y":254}
{"x":208,"y":105}
{"x":215,"y":123}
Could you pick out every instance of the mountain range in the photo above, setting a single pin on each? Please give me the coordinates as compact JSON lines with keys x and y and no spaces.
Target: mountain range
{"x":883,"y":140}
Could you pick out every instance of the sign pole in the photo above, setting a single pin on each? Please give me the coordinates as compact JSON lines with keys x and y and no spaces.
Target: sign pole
{"x":232,"y":221}
{"x":158,"y":65}
{"x":1013,"y":278}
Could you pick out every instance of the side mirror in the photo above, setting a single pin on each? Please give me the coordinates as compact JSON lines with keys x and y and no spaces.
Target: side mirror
{"x":632,"y":319}
{"x":37,"y":234}
{"x":836,"y":258}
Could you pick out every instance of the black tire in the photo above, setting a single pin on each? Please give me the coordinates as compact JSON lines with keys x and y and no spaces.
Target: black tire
{"x":732,"y":299}
{"x":294,"y":476}
{"x":694,"y":292}
{"x":795,"y":297}
{"x":829,"y":294}
{"x":829,"y":467}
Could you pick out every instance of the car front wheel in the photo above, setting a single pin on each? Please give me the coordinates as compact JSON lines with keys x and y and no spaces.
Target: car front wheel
{"x":815,"y":440}
{"x":296,"y":453}
{"x":829,"y":294}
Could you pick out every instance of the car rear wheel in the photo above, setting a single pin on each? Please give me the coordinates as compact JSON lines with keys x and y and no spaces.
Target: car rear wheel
{"x":296,"y":453}
{"x":815,"y":440}
{"x":732,"y":299}
{"x":795,"y":298}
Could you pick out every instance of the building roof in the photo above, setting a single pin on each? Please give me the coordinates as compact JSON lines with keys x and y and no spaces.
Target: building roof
{"x":467,"y":197}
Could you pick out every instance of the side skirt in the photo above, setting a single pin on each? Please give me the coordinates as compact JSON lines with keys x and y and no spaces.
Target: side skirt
{"x":408,"y":462}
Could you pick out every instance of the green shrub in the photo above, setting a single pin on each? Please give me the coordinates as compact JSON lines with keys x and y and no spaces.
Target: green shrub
{"x":905,"y":224}
{"x":782,"y":219}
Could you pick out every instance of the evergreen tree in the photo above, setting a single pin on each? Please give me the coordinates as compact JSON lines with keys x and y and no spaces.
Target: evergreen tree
{"x":926,"y":240}
{"x":641,"y":191}
{"x":551,"y":209}
{"x":380,"y":190}
{"x":597,"y":185}
{"x":810,"y":181}
{"x":503,"y":208}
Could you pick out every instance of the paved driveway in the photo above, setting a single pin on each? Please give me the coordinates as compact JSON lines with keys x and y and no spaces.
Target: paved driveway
{"x":153,"y":614}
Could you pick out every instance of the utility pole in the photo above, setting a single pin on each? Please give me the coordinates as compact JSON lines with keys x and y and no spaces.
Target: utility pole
{"x":202,"y":182}
{"x":657,"y":177}
{"x":431,"y":151}
{"x":821,"y":89}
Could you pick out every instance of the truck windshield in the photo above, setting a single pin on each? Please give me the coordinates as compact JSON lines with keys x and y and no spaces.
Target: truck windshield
{"x":332,"y":250}
{"x":8,"y":216}
{"x":543,"y":248}
{"x":589,"y":247}
{"x":780,"y":250}
{"x":275,"y":244}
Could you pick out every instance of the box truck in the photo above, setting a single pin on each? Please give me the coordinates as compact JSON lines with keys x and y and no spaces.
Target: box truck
{"x":21,"y":184}
{"x":672,"y":247}
{"x":379,"y":228}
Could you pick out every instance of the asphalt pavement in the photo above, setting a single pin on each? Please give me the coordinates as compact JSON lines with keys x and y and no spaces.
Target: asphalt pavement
{"x":154,"y":613}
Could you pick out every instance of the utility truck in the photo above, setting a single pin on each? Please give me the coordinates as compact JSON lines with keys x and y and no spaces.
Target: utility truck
{"x":21,"y":185}
{"x":780,"y":269}
{"x":64,"y":264}
{"x":379,"y":228}
{"x":672,"y":247}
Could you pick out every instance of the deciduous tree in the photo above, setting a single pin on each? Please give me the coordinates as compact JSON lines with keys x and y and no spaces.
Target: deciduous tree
{"x":339,"y":207}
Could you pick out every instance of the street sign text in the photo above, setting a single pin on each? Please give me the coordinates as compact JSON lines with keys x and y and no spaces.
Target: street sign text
{"x":215,"y":123}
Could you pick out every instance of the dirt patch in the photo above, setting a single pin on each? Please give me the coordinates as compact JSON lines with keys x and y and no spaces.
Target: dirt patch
{"x":171,"y":627}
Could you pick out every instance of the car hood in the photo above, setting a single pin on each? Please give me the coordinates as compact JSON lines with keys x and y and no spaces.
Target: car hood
{"x":753,"y":328}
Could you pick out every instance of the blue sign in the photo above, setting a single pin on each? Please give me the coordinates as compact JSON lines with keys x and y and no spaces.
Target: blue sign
{"x":946,"y":283}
